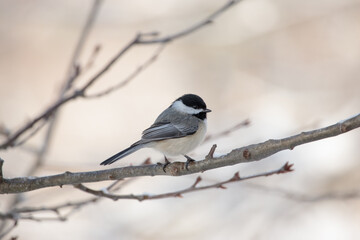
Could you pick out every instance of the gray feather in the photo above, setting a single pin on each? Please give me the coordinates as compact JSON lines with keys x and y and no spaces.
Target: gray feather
{"x":181,"y":125}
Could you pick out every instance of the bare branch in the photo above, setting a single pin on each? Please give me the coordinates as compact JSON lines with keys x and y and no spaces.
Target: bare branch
{"x":31,"y":134}
{"x":72,"y":74}
{"x":137,"y":40}
{"x":93,"y":56}
{"x":242,"y":124}
{"x":29,"y":213}
{"x":191,"y":29}
{"x":81,"y":43}
{"x":193,"y":188}
{"x":249,"y":153}
{"x":138,"y":70}
{"x":300,"y":197}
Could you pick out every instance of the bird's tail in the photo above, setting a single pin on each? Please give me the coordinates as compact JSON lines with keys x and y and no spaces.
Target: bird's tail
{"x":133,"y":148}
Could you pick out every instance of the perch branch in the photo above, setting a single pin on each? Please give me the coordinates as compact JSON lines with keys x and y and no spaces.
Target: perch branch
{"x":249,"y":153}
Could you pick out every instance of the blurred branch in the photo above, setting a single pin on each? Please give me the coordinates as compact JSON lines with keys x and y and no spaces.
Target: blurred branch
{"x":139,"y":39}
{"x":249,"y":153}
{"x":192,"y":28}
{"x":193,"y":188}
{"x":29,"y":213}
{"x":295,"y":196}
{"x":7,"y":231}
{"x":142,"y":67}
{"x":226,"y":132}
{"x":92,"y":57}
{"x":72,"y":74}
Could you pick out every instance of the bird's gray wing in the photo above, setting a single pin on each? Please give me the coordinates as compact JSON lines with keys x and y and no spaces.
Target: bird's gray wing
{"x":165,"y":130}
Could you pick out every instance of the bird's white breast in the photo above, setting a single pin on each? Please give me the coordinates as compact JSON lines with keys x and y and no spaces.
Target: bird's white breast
{"x":182,"y":146}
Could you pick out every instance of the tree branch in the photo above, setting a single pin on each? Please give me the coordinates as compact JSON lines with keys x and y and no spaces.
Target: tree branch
{"x":310,"y":198}
{"x":139,"y":39}
{"x":226,"y":132}
{"x":193,"y":188}
{"x":138,"y":70}
{"x":193,"y":28}
{"x":29,"y":213}
{"x":249,"y":153}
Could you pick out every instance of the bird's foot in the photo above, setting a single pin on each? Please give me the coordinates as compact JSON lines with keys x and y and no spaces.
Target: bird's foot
{"x":164,"y":165}
{"x":188,"y":161}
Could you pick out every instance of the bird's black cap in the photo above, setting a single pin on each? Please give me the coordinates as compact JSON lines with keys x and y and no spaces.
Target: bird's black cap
{"x":192,"y":100}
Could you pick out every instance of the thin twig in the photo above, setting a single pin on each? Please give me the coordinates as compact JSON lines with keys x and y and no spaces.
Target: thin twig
{"x":10,"y":142}
{"x":72,"y":73}
{"x":193,"y":188}
{"x":92,"y":57}
{"x":139,"y":39}
{"x":30,"y":135}
{"x":192,"y":28}
{"x":137,"y":71}
{"x":226,"y":132}
{"x":300,"y":197}
{"x":211,"y":152}
{"x":29,"y":213}
{"x":89,"y":23}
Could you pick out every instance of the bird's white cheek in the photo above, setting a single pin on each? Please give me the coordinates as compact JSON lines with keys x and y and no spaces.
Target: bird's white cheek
{"x":181,"y":107}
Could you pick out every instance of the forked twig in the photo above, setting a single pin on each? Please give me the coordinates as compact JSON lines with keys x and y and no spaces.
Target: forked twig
{"x":193,"y":188}
{"x":139,"y":39}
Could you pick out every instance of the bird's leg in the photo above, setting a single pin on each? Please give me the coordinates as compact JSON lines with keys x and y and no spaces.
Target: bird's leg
{"x":164,"y":165}
{"x":189,"y":160}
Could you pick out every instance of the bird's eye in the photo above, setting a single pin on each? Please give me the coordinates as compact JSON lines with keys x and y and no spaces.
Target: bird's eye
{"x":196,"y":107}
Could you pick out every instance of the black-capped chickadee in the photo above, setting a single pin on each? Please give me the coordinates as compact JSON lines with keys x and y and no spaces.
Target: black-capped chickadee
{"x":177,"y":130}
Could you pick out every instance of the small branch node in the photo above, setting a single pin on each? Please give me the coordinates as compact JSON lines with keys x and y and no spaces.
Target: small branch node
{"x":198,"y":179}
{"x":236,"y":177}
{"x":247,"y":154}
{"x":344,"y":128}
{"x":211,"y":152}
{"x":147,"y":161}
{"x":79,"y":93}
{"x":179,"y":195}
{"x":286,"y":168}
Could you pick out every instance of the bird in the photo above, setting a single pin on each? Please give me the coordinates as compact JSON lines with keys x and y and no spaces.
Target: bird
{"x":179,"y":129}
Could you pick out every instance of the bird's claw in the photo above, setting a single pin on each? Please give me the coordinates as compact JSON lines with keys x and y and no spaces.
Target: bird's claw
{"x":188,"y":161}
{"x":164,"y":165}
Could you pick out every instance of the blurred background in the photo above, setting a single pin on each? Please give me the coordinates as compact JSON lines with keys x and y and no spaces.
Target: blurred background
{"x":287,"y":66}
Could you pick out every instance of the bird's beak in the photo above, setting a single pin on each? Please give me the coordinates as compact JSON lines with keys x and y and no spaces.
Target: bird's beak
{"x":207,"y":110}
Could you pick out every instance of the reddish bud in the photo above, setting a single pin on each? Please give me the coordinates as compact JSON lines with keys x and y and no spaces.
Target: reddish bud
{"x":236,"y":177}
